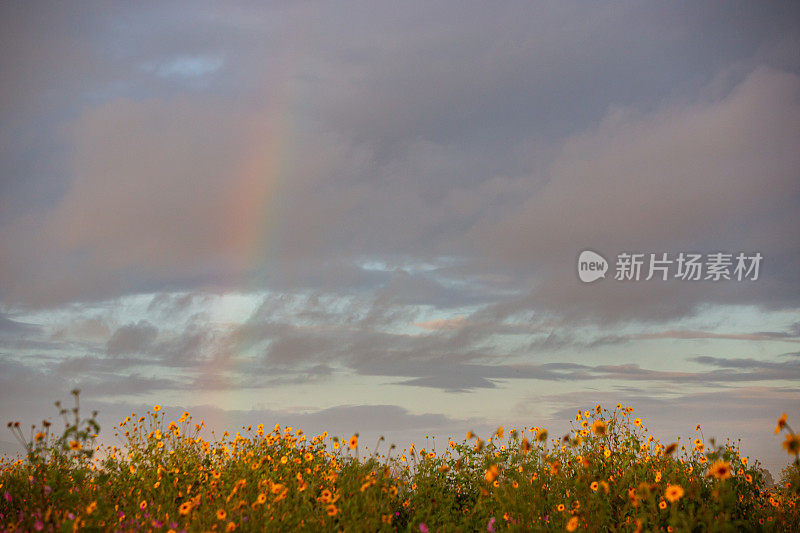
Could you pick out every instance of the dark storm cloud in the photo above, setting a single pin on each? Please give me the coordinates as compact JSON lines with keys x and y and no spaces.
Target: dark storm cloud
{"x":410,"y":185}
{"x":674,"y":180}
{"x":485,"y":137}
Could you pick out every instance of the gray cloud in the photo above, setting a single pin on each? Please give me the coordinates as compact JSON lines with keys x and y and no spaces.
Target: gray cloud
{"x":31,"y":384}
{"x":506,"y":129}
{"x":673,"y":180}
{"x":406,"y":187}
{"x":748,"y":363}
{"x":132,"y":338}
{"x":83,"y":329}
{"x":9,"y":326}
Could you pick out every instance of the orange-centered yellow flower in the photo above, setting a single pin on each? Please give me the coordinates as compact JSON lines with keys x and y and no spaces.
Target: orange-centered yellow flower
{"x":792,"y":444}
{"x":781,"y":423}
{"x":720,"y":470}
{"x":573,"y":523}
{"x":674,"y":493}
{"x":599,"y":427}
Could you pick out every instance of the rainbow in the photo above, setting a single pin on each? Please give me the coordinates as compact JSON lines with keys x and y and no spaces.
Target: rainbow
{"x":252,"y":202}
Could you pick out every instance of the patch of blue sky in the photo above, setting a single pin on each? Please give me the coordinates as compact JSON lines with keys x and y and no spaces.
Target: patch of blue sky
{"x":741,"y":318}
{"x":409,"y":265}
{"x":375,"y":265}
{"x":186,"y":66}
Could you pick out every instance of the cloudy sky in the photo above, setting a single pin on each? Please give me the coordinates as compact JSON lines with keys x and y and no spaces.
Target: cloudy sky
{"x":367,"y":216}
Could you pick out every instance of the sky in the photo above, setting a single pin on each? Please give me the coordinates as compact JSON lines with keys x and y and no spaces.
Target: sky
{"x":366,"y":216}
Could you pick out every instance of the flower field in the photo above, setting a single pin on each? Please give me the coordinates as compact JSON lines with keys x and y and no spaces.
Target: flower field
{"x":608,"y":474}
